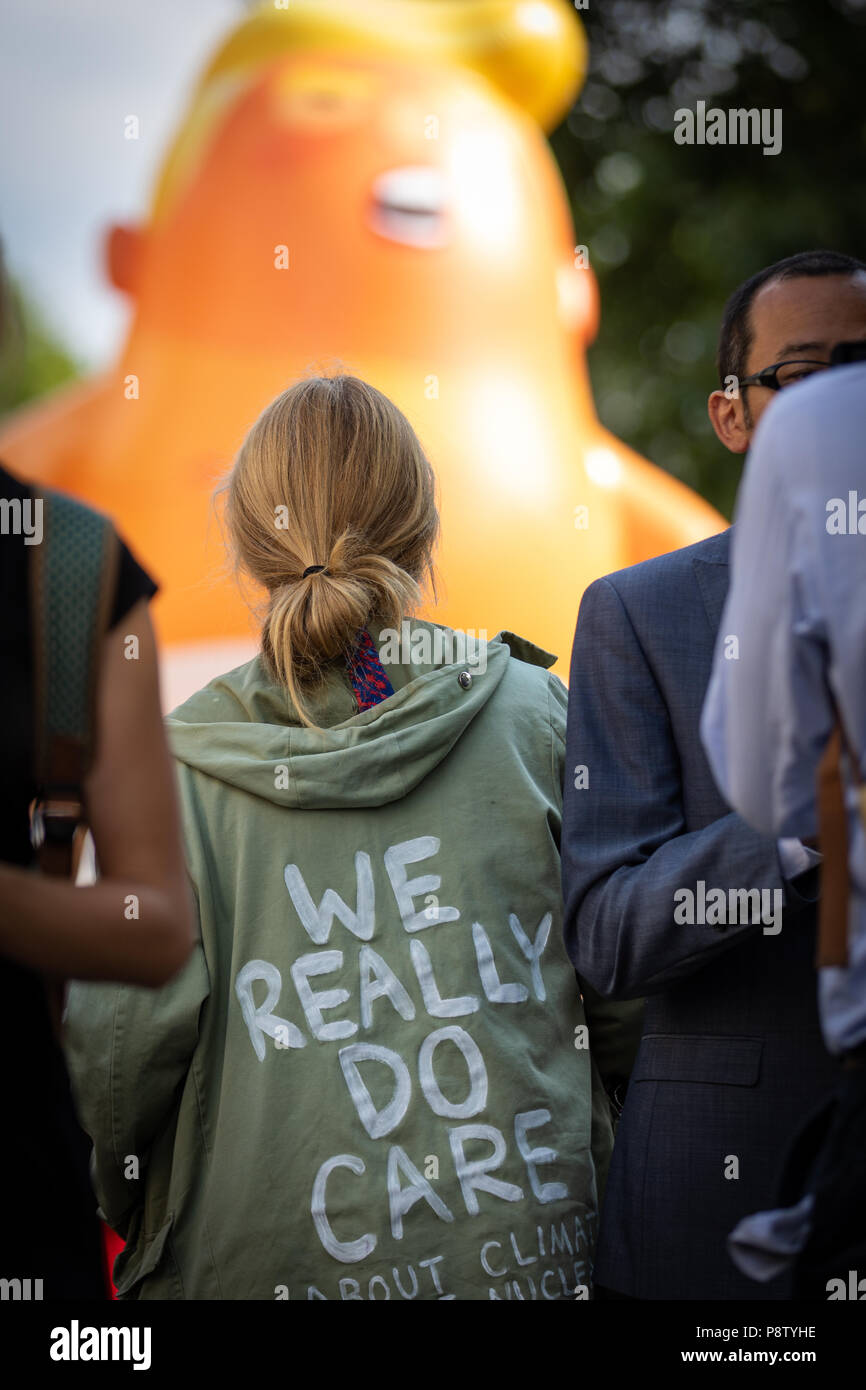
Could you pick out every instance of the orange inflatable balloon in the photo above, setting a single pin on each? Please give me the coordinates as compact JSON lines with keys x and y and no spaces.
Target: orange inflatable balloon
{"x":388,"y":205}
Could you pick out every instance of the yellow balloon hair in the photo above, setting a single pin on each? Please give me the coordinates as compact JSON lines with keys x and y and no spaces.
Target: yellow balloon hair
{"x":533,"y":51}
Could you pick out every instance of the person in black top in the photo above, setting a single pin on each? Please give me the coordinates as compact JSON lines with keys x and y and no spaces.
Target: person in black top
{"x":48,"y":924}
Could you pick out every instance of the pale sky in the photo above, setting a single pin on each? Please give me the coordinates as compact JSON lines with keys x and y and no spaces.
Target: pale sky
{"x":70,"y":72}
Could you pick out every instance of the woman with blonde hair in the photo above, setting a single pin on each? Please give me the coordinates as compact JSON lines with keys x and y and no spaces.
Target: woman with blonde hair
{"x":372,"y":1080}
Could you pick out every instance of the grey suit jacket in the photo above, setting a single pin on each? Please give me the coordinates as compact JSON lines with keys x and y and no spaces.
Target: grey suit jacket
{"x":731,"y":1059}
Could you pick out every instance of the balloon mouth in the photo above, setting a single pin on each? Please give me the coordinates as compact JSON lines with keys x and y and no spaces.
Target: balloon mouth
{"x":408,"y":206}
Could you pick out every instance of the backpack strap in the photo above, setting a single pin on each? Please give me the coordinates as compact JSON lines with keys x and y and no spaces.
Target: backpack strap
{"x":833,"y":844}
{"x":73,"y":575}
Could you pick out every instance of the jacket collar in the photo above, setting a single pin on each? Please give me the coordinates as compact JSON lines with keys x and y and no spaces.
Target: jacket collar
{"x":711,"y":574}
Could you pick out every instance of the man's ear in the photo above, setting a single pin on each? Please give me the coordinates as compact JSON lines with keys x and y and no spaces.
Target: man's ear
{"x":578,"y":299}
{"x":124,"y":248}
{"x":726,"y":418}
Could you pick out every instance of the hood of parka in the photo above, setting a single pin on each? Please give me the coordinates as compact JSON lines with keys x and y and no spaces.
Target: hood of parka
{"x":243,"y":729}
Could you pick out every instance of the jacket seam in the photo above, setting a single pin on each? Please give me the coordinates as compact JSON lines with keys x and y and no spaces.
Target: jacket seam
{"x":113,"y":1081}
{"x":400,"y":763}
{"x":640,"y":646}
{"x":175,"y":1262}
{"x":555,"y":779}
{"x":204,"y":1144}
{"x":641,"y":1258}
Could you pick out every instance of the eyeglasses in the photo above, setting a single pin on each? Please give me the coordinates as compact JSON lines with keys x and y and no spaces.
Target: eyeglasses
{"x":783,"y":374}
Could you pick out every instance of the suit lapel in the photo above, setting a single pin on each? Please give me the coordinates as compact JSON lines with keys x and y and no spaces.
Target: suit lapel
{"x":711,"y":574}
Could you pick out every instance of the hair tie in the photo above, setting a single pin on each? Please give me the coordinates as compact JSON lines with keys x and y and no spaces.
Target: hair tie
{"x":312,"y":569}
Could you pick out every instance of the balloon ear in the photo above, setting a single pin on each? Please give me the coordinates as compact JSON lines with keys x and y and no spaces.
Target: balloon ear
{"x":579,"y":303}
{"x":124,"y":247}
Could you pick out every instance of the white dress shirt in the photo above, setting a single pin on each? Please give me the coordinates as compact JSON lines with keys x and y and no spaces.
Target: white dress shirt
{"x":792,"y":643}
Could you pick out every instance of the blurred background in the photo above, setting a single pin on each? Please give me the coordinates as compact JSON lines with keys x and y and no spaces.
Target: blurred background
{"x":670,"y":229}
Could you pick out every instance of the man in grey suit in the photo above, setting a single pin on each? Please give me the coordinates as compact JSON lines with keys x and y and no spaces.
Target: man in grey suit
{"x":731,"y":1059}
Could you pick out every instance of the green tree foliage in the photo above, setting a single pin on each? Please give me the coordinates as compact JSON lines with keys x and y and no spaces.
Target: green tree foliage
{"x":32,"y":360}
{"x":672,"y":229}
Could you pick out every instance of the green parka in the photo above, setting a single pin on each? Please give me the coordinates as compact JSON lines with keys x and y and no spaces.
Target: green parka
{"x":372,"y":1078}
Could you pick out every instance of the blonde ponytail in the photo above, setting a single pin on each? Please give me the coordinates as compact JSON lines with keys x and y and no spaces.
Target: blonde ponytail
{"x":331,"y":508}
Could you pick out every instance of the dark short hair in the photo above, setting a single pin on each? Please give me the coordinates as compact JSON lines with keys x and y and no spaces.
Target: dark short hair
{"x":735,"y":335}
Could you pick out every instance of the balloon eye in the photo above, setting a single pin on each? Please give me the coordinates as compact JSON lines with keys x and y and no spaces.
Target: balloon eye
{"x":316,"y":104}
